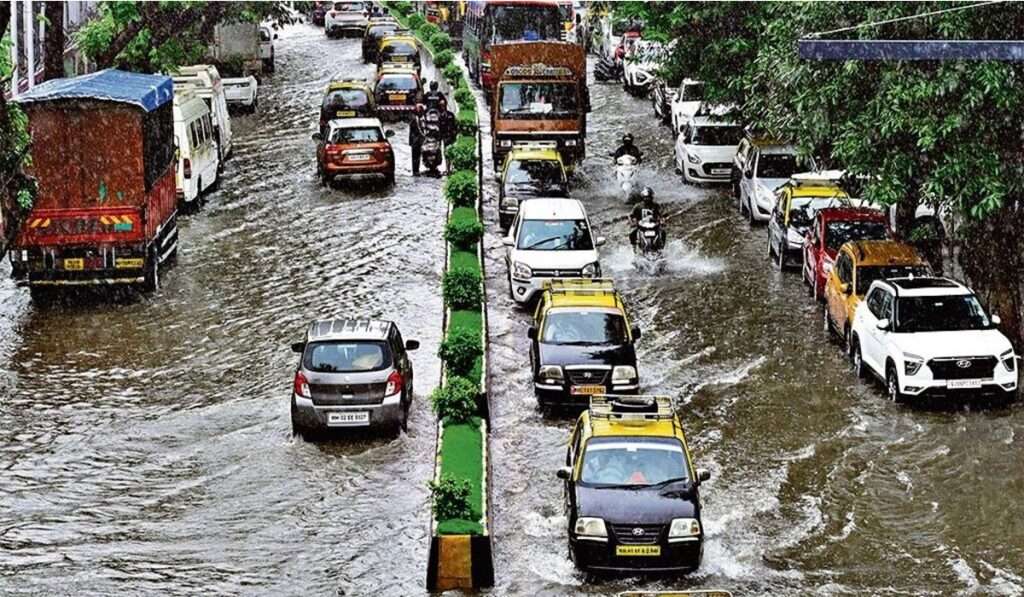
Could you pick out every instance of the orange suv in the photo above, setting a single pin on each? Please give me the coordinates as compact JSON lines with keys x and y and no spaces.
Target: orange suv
{"x":354,"y":149}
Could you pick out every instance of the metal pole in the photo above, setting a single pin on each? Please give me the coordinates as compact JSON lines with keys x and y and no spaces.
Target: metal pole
{"x":30,"y":45}
{"x":14,"y":48}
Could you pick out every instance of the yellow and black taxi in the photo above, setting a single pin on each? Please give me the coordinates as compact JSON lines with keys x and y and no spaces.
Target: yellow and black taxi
{"x":582,"y":343}
{"x":397,"y":91}
{"x":347,"y":98}
{"x":399,"y":49}
{"x":376,"y":31}
{"x":530,"y":170}
{"x":796,"y":204}
{"x":632,"y":496}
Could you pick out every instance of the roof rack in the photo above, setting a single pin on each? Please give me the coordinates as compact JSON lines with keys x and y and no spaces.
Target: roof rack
{"x":631,"y":408}
{"x":580,"y":286}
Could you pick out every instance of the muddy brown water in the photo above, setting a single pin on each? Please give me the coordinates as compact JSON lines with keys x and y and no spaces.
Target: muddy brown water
{"x":145,"y":447}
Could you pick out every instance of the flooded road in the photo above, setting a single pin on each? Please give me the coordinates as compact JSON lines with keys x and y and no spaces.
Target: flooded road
{"x":820,"y":485}
{"x":145,"y":444}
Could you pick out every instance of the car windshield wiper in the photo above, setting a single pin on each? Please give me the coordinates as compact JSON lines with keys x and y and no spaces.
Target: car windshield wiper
{"x":546,"y":240}
{"x":619,"y":486}
{"x":666,"y":482}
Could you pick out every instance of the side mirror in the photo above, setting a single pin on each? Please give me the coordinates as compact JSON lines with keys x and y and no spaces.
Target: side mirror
{"x":389,"y":133}
{"x":412,"y":344}
{"x":600,"y":241}
{"x":299,"y":347}
{"x":508,"y":241}
{"x":703,"y":474}
{"x":635,"y":331}
{"x":883,"y":324}
{"x":531,"y":333}
{"x":564,"y":473}
{"x":317,"y":137}
{"x":996,"y":320}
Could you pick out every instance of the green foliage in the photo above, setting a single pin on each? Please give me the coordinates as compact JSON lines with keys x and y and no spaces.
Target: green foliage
{"x":402,"y":7}
{"x":465,"y":120}
{"x":415,"y":21}
{"x":462,"y":154}
{"x":443,"y":59}
{"x":461,"y":188}
{"x":460,"y":349}
{"x":450,"y":498}
{"x":461,"y":288}
{"x":452,"y":73}
{"x":464,"y":229}
{"x":462,"y":449}
{"x":427,"y":30}
{"x":455,"y":402}
{"x":440,"y":41}
{"x":464,"y":97}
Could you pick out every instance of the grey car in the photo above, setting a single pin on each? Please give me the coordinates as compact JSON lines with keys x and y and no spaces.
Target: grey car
{"x":353,"y":373}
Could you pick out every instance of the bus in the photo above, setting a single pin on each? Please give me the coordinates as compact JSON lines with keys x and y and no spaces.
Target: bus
{"x":500,"y":21}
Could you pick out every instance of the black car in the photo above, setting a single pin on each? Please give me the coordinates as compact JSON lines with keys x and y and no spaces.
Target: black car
{"x":631,"y":492}
{"x":582,"y":344}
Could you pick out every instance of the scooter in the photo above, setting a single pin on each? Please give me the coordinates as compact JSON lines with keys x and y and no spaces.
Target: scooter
{"x":650,"y":243}
{"x":430,"y":152}
{"x":626,"y":169}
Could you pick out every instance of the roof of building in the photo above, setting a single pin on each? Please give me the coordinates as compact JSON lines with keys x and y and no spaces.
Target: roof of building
{"x":148,"y":92}
{"x":348,"y":329}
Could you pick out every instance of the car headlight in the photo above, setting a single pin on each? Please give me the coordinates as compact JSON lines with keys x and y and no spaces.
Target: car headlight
{"x":591,"y":528}
{"x":623,"y":374}
{"x":521,"y":271}
{"x":510,"y":203}
{"x":550,"y":374}
{"x":764,"y":196}
{"x":591,"y":270}
{"x":570,"y":143}
{"x":1009,"y":360}
{"x":683,"y":528}
{"x":912,"y":363}
{"x":505,"y":143}
{"x":693,"y":158}
{"x":794,"y":238}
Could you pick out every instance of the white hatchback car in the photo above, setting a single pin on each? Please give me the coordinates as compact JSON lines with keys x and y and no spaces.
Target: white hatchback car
{"x":688,"y":98}
{"x":705,"y":149}
{"x":549,"y":238}
{"x":767,"y":166}
{"x":931,"y":337}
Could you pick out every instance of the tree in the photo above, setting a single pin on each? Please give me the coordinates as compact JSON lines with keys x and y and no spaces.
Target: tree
{"x":53,"y":51}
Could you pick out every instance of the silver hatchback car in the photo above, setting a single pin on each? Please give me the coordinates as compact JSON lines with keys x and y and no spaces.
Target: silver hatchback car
{"x":352,"y":373}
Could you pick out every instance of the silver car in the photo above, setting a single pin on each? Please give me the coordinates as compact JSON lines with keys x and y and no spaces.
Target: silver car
{"x":353,"y":373}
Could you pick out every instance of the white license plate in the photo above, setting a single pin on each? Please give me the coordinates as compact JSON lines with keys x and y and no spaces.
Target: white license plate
{"x":348,"y":418}
{"x":359,"y":158}
{"x":960,"y":384}
{"x":720,"y":171}
{"x":650,"y":234}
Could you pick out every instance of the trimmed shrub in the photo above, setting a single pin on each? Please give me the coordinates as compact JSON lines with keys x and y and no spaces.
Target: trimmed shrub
{"x":455,"y":402}
{"x":460,"y":188}
{"x":450,"y":498}
{"x":464,"y":231}
{"x":440,"y":41}
{"x":461,"y":288}
{"x":403,"y":7}
{"x":465,"y":121}
{"x":452,"y":73}
{"x":443,"y":59}
{"x":460,"y":349}
{"x":427,"y":30}
{"x":415,"y":21}
{"x":464,"y":97}
{"x":462,"y":154}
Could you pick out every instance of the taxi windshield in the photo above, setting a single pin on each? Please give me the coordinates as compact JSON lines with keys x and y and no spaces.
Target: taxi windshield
{"x":541,"y":175}
{"x":633,"y":462}
{"x":555,"y":235}
{"x":802,"y":210}
{"x":840,"y":233}
{"x":584,"y":327}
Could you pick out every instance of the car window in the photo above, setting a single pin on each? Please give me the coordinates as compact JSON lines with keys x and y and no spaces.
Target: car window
{"x":537,"y":98}
{"x":691,"y":92}
{"x":264,"y":35}
{"x":555,"y":235}
{"x":346,"y":357}
{"x":584,"y":327}
{"x":840,"y":233}
{"x":776,"y":165}
{"x":348,"y":6}
{"x":803,"y":209}
{"x":397,"y":83}
{"x":866,"y":274}
{"x":628,"y":461}
{"x":886,"y":307}
{"x":398,"y":48}
{"x":844,"y":268}
{"x":716,"y":135}
{"x":340,"y":99}
{"x":539,"y":175}
{"x":874,"y":302}
{"x":369,"y":134}
{"x":941,"y":314}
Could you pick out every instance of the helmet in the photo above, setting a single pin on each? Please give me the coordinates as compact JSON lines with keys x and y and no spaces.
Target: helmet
{"x":420,"y":108}
{"x":647,"y":194}
{"x":433,"y":85}
{"x":627,"y":139}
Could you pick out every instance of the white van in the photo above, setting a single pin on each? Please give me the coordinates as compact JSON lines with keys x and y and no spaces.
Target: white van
{"x":207,"y":84}
{"x":196,"y":146}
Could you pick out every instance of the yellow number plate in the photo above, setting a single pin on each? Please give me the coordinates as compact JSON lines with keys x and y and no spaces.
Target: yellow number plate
{"x":398,"y":97}
{"x":638,"y":550}
{"x":74,"y":264}
{"x":133,"y":263}
{"x":345,"y":113}
{"x":588,"y":390}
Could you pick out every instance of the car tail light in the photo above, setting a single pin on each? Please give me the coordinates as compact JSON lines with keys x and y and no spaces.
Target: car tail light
{"x":301,"y":385}
{"x":186,"y":170}
{"x":394,"y":384}
{"x":332,"y":150}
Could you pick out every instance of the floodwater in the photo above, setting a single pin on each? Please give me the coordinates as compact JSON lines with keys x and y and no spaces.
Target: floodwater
{"x":145,"y":444}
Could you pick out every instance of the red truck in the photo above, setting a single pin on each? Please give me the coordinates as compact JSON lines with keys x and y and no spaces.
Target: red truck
{"x":103,"y":154}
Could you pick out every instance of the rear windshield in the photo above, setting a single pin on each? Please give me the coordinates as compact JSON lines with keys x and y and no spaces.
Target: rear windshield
{"x":398,"y":48}
{"x":340,"y":99}
{"x":839,"y":233}
{"x":346,"y":357}
{"x":369,"y":134}
{"x":349,"y":6}
{"x":382,"y":30}
{"x":397,"y":83}
{"x":717,"y":135}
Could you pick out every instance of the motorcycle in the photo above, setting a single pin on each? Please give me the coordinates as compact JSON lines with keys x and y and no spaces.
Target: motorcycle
{"x":430,"y":152}
{"x":650,"y":242}
{"x":626,"y":169}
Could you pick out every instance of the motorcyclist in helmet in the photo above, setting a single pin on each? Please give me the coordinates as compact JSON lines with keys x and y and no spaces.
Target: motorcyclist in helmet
{"x":627,"y":148}
{"x":645,"y":209}
{"x":416,"y":134}
{"x":434,"y":99}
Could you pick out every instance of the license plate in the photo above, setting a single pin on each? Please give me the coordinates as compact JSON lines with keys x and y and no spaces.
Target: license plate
{"x":721,"y":171}
{"x":960,"y":384}
{"x":398,"y":97}
{"x":650,"y":234}
{"x":128,"y":263}
{"x":362,"y":157}
{"x":587,"y":390}
{"x":348,"y":418}
{"x":74,"y":264}
{"x":399,"y":59}
{"x":638,"y":550}
{"x":345,"y":113}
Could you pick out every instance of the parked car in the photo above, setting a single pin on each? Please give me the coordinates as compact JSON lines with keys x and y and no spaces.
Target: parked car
{"x":639,"y":66}
{"x":267,"y":38}
{"x":354,"y":149}
{"x":375,"y":32}
{"x":631,"y":490}
{"x":705,"y":149}
{"x":530,"y":170}
{"x":549,"y":239}
{"x":196,"y":142}
{"x":581,"y":343}
{"x":761,"y":166}
{"x":832,"y":228}
{"x":346,"y":18}
{"x":347,"y":98}
{"x":686,"y":101}
{"x":206,"y":83}
{"x":352,"y":373}
{"x":242,"y":93}
{"x":932,"y":338}
{"x":796,"y":202}
{"x":397,"y":91}
{"x":858,"y":264}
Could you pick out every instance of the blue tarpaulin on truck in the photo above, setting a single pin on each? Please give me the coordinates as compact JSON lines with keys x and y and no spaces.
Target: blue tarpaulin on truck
{"x":148,"y":92}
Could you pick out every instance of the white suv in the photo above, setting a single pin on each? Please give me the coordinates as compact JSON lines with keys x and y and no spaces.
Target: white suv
{"x":550,"y":238}
{"x":931,"y":337}
{"x":346,"y":18}
{"x":705,"y":149}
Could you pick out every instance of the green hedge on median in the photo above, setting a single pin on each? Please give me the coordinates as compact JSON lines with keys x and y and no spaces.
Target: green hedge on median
{"x":461,"y":155}
{"x":440,"y":41}
{"x":461,"y":450}
{"x":461,"y":188}
{"x":464,"y":229}
{"x":452,"y":73}
{"x":465,"y":120}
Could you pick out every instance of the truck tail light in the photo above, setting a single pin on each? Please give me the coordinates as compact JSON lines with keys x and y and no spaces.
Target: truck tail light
{"x":186,"y":169}
{"x":301,"y":387}
{"x":394,"y":384}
